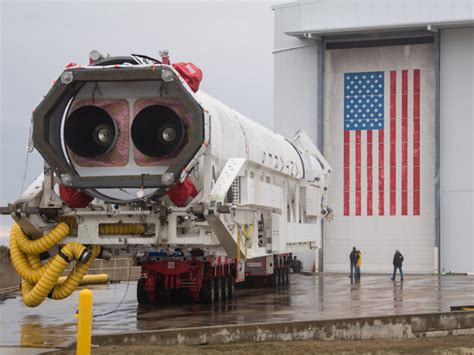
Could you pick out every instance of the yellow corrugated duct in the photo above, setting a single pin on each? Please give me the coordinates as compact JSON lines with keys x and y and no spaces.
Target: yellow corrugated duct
{"x":20,"y":259}
{"x":89,"y":279}
{"x":40,"y":245}
{"x":121,"y":228}
{"x":75,"y":276}
{"x":109,"y":228}
{"x":34,"y":294}
{"x":40,"y":281}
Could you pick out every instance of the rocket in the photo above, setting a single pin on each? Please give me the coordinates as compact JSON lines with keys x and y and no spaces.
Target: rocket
{"x":136,"y":156}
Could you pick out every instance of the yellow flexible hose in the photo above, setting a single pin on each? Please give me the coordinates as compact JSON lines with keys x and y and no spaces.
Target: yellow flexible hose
{"x":20,"y":261}
{"x":247,"y":233}
{"x":40,"y":280}
{"x":109,"y":228}
{"x":121,"y":228}
{"x":40,"y":245}
{"x":75,"y":276}
{"x":34,"y":294}
{"x":89,"y":279}
{"x":248,"y":229}
{"x":35,"y":262}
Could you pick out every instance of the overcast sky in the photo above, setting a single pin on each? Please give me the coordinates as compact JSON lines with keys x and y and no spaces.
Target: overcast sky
{"x":231,"y":42}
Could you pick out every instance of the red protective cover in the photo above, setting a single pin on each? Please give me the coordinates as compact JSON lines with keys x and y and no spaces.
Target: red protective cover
{"x":74,"y":198}
{"x":71,"y":65}
{"x":190,"y":73}
{"x":181,"y":193}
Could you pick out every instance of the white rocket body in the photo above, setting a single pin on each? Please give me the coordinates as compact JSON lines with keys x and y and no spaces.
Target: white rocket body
{"x":248,"y":179}
{"x":233,"y":135}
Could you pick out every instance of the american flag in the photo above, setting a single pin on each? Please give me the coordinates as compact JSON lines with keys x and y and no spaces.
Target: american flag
{"x":381,"y":127}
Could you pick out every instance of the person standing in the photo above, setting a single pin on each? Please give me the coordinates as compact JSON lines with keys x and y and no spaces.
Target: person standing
{"x":397,"y":264}
{"x":353,"y":260}
{"x":358,"y":264}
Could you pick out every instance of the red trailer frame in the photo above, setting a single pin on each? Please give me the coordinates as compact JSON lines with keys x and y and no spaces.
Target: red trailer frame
{"x":206,"y":279}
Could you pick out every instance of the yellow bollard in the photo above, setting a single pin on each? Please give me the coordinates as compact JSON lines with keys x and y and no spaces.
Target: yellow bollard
{"x":84,"y":323}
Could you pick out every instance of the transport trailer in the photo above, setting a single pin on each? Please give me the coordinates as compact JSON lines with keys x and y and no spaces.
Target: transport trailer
{"x":271,"y":270}
{"x":205,"y":279}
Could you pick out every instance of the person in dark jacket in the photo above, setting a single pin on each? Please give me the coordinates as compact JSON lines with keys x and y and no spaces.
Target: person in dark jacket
{"x":397,"y":264}
{"x":353,"y":256}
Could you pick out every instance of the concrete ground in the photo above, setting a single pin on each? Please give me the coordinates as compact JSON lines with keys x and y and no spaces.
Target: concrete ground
{"x":309,"y":297}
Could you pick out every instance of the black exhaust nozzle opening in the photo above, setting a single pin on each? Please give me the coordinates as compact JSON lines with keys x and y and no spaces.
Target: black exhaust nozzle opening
{"x":90,"y":132}
{"x":157,"y":131}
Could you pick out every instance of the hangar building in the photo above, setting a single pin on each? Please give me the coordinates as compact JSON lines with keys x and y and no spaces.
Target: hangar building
{"x":386,"y":90}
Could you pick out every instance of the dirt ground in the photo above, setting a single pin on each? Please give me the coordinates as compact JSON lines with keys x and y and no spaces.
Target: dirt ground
{"x":443,"y":345}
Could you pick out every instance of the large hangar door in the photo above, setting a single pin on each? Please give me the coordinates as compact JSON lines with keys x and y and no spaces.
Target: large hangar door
{"x":379,"y":137}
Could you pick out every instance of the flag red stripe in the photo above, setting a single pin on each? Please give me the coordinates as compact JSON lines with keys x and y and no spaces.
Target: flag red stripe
{"x":416,"y":142}
{"x":404,"y":142}
{"x":358,"y":181}
{"x":369,"y":173}
{"x":393,"y":142}
{"x":381,"y":173}
{"x":347,"y":151}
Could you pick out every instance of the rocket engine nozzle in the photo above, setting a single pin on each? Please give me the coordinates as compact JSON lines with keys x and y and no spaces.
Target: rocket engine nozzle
{"x":90,"y":132}
{"x":157,"y":131}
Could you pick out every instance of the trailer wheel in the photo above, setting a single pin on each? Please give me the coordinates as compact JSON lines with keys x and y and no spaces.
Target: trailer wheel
{"x":272,"y":279}
{"x":208,"y":292}
{"x":142,"y":297}
{"x":225,"y":288}
{"x":231,"y":283}
{"x":162,"y":295}
{"x":218,"y":284}
{"x":287,"y":275}
{"x":297,"y":266}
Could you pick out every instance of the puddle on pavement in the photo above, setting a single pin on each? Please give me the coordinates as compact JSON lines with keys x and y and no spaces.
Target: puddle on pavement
{"x":308,"y":297}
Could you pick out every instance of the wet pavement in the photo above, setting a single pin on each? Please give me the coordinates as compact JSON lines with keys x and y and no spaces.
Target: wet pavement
{"x":309,"y":297}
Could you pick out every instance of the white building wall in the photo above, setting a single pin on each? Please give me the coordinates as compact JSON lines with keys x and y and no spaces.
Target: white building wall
{"x":296,"y":92}
{"x":330,"y":15}
{"x":457,"y":150}
{"x":295,"y":79}
{"x":295,"y":89}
